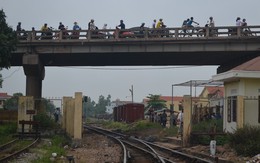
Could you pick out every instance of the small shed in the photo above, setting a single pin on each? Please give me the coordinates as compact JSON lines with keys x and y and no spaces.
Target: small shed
{"x":242,"y":95}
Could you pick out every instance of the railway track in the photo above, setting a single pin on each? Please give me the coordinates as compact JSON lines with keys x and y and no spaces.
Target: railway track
{"x":15,"y":147}
{"x":150,"y":152}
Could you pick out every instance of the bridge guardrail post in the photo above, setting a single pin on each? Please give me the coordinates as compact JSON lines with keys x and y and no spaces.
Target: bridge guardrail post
{"x":239,"y":31}
{"x":207,"y":32}
{"x":176,"y":33}
{"x":60,"y":35}
{"x":89,"y":34}
{"x":146,"y":34}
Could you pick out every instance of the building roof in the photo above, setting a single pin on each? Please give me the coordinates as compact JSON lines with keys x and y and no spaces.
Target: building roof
{"x":252,"y":65}
{"x":4,"y":96}
{"x":166,"y":98}
{"x":214,"y":89}
{"x":249,"y":69}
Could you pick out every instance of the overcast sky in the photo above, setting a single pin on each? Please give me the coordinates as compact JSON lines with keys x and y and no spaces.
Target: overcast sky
{"x":64,"y":81}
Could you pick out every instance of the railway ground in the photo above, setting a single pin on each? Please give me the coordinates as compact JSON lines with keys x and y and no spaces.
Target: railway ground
{"x":96,"y":148}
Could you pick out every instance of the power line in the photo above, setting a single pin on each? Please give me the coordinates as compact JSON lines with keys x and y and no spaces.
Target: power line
{"x":130,"y":69}
{"x":12,"y":73}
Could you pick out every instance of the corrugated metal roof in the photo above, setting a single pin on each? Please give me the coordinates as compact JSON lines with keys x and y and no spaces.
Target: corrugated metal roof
{"x":200,"y":83}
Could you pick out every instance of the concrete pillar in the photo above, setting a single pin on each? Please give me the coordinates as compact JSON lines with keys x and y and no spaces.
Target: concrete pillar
{"x":240,"y":112}
{"x":187,"y":106}
{"x":78,"y":116}
{"x":35,"y":73}
{"x":65,"y":112}
{"x":24,"y":103}
{"x":70,"y":117}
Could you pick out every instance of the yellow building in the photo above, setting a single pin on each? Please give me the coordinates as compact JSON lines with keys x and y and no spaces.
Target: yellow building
{"x":242,"y":92}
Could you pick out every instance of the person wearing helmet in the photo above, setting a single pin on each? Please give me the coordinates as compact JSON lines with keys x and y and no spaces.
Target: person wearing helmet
{"x":159,"y":24}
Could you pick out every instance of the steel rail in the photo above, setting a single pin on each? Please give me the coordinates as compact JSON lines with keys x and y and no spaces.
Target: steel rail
{"x":174,"y":152}
{"x":122,"y":144}
{"x":19,"y":151}
{"x":7,"y":144}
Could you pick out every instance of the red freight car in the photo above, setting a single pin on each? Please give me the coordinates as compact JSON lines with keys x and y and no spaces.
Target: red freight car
{"x":129,"y":112}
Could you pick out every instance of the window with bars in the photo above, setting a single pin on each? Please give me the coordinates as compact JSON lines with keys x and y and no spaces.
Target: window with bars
{"x":259,"y":109}
{"x":232,"y":109}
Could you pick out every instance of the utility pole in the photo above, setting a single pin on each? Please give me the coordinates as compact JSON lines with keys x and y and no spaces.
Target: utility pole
{"x":132,"y":93}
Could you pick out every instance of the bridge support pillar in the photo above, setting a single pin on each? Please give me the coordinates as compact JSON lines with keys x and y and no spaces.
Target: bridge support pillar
{"x":35,"y":72}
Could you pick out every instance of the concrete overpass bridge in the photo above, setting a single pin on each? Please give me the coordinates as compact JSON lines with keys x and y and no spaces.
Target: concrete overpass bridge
{"x":223,"y":46}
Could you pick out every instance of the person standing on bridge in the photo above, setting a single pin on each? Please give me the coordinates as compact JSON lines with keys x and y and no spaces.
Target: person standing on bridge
{"x":121,"y":25}
{"x":190,"y":22}
{"x":211,"y":22}
{"x":18,"y":28}
{"x":75,"y":33}
{"x":238,"y":21}
{"x":61,"y":26}
{"x":91,"y":25}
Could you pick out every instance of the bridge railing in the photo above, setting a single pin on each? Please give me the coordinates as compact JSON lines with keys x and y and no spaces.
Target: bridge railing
{"x":142,"y":33}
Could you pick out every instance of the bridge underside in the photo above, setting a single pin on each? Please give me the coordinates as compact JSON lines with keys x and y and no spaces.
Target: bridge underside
{"x":226,"y":60}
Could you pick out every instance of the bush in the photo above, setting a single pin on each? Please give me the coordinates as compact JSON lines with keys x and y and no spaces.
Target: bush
{"x":246,"y":141}
{"x":45,"y":121}
{"x":9,"y":128}
{"x":207,"y":127}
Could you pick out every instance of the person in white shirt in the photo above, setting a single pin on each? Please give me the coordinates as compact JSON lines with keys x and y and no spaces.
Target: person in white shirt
{"x":180,"y":123}
{"x":238,"y":21}
{"x":211,"y":22}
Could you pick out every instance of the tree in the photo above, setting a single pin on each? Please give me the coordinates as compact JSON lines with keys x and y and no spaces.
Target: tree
{"x":155,"y":102}
{"x":12,"y":103}
{"x":88,"y":108}
{"x":8,"y":41}
{"x":102,"y":103}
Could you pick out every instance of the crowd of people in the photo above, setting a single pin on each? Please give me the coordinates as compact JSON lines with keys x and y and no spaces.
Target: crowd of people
{"x":186,"y":25}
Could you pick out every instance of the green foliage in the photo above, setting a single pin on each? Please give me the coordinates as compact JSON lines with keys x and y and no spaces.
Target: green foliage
{"x":8,"y":41}
{"x":12,"y":103}
{"x":100,"y":107}
{"x":155,"y":102}
{"x":7,"y":129}
{"x":58,"y":142}
{"x":246,"y":140}
{"x":143,"y":125}
{"x":172,"y":131}
{"x":208,"y":127}
{"x":116,"y":125}
{"x":45,"y":121}
{"x":89,"y":108}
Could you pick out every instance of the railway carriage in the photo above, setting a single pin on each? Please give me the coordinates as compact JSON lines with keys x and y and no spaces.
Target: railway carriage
{"x":128,"y":113}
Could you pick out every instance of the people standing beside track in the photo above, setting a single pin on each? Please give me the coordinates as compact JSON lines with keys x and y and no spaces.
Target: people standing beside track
{"x":180,"y":123}
{"x":164,"y":118}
